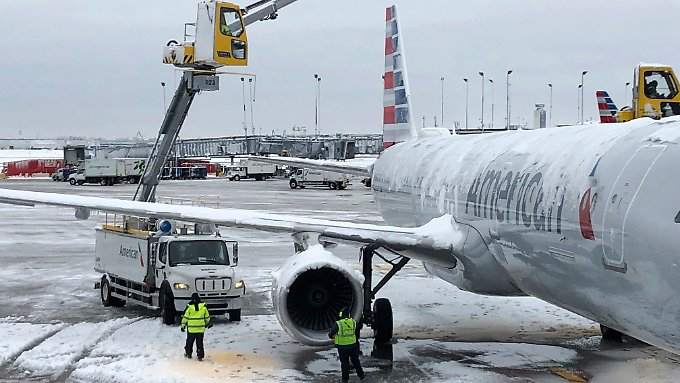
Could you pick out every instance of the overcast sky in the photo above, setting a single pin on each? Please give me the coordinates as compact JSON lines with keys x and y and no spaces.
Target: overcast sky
{"x":75,"y":67}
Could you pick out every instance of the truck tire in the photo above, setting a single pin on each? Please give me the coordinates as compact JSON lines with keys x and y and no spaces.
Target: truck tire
{"x":234,"y":315}
{"x":333,"y":186}
{"x":237,"y":178}
{"x":107,"y":299}
{"x":72,"y":181}
{"x":103,"y":182}
{"x":383,"y":325}
{"x":167,"y":303}
{"x":293,"y":184}
{"x":134,"y":180}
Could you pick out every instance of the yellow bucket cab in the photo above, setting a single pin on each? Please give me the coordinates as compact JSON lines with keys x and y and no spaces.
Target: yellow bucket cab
{"x":655,"y":93}
{"x":218,"y":38}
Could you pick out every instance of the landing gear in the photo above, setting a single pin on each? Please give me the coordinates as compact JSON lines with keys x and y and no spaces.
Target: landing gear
{"x":379,"y":317}
{"x":611,"y":335}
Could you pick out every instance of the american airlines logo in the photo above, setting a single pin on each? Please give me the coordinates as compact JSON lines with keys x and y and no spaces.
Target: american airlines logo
{"x":129,"y":253}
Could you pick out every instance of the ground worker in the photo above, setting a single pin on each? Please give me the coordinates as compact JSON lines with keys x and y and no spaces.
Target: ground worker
{"x":343,"y":332}
{"x":195,"y":320}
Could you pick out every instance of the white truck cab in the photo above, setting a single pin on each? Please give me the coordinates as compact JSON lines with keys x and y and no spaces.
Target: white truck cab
{"x":162,"y":269}
{"x":302,"y":178}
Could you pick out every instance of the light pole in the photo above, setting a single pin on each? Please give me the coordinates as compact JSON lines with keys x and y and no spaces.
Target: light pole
{"x":507,"y":100}
{"x":583,"y":74}
{"x":165,"y":108}
{"x":317,"y":108}
{"x":442,"y":80}
{"x":252,"y":124}
{"x":625,"y":95}
{"x":245,"y":122}
{"x":551,"y":90}
{"x":482,"y":74}
{"x":467,"y":88}
{"x":578,"y":105}
{"x":492,"y":106}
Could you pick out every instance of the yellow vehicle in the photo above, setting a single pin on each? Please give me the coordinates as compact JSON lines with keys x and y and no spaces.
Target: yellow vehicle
{"x":219,"y":39}
{"x":655,"y":93}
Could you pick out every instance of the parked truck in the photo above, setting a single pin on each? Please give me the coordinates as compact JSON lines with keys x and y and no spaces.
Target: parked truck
{"x":108,"y":171}
{"x":302,"y":178}
{"x":251,"y":169}
{"x":161,"y":268}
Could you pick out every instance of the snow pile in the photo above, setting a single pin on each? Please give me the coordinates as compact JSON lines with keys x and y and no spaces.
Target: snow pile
{"x":443,"y":231}
{"x":18,"y":337}
{"x":56,"y":353}
{"x":457,"y":372}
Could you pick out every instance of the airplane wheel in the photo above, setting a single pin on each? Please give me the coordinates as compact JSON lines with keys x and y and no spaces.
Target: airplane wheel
{"x":293,"y":184}
{"x":609,"y":334}
{"x":383,"y":325}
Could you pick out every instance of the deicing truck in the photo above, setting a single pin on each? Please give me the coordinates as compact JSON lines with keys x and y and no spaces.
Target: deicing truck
{"x":161,"y":268}
{"x":312,"y":177}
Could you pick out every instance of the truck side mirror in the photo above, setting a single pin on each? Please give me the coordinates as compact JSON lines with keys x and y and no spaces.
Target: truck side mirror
{"x":234,"y":253}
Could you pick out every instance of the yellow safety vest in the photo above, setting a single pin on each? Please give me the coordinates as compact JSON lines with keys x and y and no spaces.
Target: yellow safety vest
{"x":196,"y":320}
{"x":346,"y":332}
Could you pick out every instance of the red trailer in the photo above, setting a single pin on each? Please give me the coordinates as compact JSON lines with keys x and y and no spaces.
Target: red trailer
{"x":27,"y":168}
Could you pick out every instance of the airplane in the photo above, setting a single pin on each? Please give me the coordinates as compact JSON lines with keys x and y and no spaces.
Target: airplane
{"x":584,"y":217}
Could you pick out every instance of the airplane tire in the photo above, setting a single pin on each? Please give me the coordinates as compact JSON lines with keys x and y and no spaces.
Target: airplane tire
{"x":72,"y":181}
{"x":293,"y":184}
{"x":611,"y":335}
{"x":234,"y":315}
{"x":383,"y":325}
{"x":167,"y":304}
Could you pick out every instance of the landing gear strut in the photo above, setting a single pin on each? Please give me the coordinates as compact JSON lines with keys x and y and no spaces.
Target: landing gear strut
{"x":378,"y":317}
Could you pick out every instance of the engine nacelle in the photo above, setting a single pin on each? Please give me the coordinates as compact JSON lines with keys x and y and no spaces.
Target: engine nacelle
{"x":309,"y":291}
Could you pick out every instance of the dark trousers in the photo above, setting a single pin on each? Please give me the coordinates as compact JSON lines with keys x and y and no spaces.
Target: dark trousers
{"x":191,"y":337}
{"x":346,"y":354}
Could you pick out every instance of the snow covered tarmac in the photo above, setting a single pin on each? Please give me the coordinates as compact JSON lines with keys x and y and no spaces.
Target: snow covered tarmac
{"x":54,"y":328}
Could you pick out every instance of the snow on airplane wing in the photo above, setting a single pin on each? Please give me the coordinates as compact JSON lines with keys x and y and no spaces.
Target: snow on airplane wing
{"x":363,"y":170}
{"x":436,"y":242}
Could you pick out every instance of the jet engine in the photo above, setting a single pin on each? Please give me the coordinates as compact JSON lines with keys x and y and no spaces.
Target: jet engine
{"x":309,"y":291}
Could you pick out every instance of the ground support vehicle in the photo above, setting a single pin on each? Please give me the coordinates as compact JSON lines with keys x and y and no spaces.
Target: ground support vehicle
{"x":108,"y":171}
{"x":251,"y":169}
{"x":63,"y":174}
{"x":161,"y":268}
{"x":302,"y":178}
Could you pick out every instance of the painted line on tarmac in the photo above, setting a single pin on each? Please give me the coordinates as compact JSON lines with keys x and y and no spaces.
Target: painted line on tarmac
{"x":569,"y":376}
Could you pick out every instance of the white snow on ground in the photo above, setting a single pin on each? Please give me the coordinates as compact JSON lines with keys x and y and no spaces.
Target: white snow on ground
{"x":55,"y":354}
{"x":457,"y":372}
{"x":638,"y":370}
{"x":17,"y":336}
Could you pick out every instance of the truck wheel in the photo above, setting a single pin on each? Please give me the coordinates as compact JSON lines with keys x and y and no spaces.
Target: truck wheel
{"x":234,"y":315}
{"x":333,"y":186}
{"x":103,"y":182}
{"x":167,"y":304}
{"x":72,"y":181}
{"x":134,"y":180}
{"x":383,"y":325}
{"x":107,"y":299}
{"x":293,"y":184}
{"x":237,"y":177}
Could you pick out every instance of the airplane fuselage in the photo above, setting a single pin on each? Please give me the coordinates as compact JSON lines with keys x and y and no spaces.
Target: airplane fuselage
{"x":583,"y":217}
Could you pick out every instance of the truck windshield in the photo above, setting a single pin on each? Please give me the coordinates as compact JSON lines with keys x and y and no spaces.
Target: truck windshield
{"x":198,"y":253}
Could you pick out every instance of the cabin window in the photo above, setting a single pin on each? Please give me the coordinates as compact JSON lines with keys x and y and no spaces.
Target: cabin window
{"x":677,"y":217}
{"x":660,"y":85}
{"x":230,"y":22}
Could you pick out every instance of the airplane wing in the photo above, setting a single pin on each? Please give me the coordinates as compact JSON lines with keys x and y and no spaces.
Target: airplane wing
{"x":436,"y":242}
{"x":362,"y":169}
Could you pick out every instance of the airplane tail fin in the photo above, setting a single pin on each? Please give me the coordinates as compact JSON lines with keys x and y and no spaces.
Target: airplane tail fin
{"x":398,"y":124}
{"x":606,"y":106}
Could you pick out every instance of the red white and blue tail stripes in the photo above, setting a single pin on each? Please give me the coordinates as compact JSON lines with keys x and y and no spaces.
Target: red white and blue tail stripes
{"x":606,"y":107}
{"x":397,"y":117}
